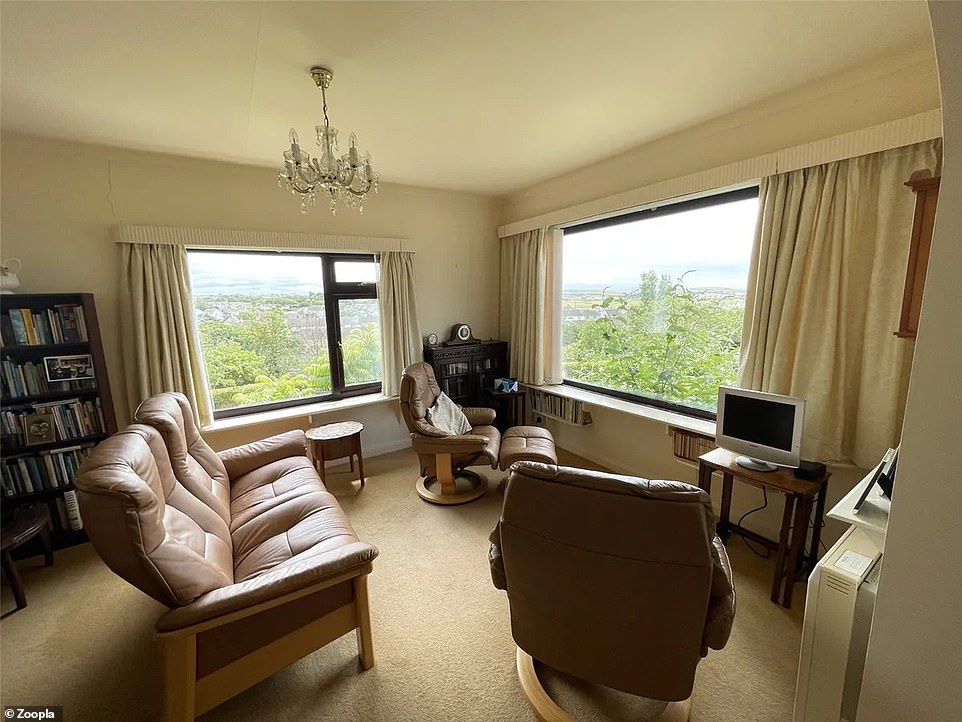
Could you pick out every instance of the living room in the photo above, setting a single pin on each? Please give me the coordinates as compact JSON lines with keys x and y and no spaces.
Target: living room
{"x":65,"y":194}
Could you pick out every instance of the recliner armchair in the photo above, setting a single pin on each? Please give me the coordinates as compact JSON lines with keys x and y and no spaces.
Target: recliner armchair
{"x":616,"y":580}
{"x":444,"y":457}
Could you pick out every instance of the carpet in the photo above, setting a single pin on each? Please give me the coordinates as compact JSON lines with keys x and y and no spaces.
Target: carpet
{"x":442,"y":640}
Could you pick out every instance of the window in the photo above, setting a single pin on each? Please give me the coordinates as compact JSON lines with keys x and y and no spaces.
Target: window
{"x":279,"y":329}
{"x":653,"y":301}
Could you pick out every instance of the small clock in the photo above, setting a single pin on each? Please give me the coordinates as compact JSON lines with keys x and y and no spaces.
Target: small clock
{"x":460,"y":333}
{"x":432,"y":339}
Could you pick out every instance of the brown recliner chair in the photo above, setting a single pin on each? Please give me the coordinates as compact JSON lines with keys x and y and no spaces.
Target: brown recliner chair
{"x":616,"y":580}
{"x":253,"y":556}
{"x":444,"y":457}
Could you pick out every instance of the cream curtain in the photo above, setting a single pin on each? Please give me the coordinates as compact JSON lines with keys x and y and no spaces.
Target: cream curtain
{"x":400,"y":329}
{"x":824,"y":297}
{"x":531,"y":304}
{"x":161,"y":347}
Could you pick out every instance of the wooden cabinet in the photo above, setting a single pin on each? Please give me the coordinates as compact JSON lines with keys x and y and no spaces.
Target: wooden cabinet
{"x":56,"y":403}
{"x":926,"y":189}
{"x":467,"y":372}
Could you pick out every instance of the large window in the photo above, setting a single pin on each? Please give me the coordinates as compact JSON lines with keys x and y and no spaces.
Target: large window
{"x":653,"y":301}
{"x":278,"y":329}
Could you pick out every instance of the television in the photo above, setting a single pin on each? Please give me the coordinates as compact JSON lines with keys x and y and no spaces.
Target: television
{"x":765,"y":429}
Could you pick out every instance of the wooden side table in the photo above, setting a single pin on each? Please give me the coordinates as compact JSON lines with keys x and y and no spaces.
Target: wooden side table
{"x":335,"y":441}
{"x":24,"y":527}
{"x":800,"y":495}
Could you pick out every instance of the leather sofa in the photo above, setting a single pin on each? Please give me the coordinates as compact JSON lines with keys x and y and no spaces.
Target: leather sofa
{"x":617,"y":580}
{"x":254,"y":558}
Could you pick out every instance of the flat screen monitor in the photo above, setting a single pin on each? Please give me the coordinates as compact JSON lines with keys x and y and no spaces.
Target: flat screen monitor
{"x":766,"y":429}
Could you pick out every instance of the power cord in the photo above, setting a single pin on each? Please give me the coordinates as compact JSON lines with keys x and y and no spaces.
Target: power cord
{"x":766,"y":552}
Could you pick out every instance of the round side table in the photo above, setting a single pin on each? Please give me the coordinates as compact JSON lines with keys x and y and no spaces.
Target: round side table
{"x":335,"y":441}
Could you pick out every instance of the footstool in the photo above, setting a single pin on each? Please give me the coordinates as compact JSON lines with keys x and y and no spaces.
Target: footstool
{"x":526,"y":443}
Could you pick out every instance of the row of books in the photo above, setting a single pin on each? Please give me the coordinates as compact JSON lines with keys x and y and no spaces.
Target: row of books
{"x":47,"y":470}
{"x":689,"y":445}
{"x":63,"y":323}
{"x":30,"y":379}
{"x":54,"y":421}
{"x":570,"y":410}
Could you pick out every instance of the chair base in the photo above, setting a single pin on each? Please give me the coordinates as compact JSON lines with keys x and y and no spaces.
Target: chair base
{"x":478,"y":488}
{"x":546,"y":710}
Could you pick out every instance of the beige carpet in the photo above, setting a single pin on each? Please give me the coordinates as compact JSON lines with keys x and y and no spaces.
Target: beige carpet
{"x":441,"y":633}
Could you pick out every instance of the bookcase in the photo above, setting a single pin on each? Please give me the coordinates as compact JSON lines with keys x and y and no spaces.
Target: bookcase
{"x":56,"y":403}
{"x":556,"y":406}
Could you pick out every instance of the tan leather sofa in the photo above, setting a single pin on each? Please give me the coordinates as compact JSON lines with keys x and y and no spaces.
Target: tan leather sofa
{"x":444,"y":458}
{"x":253,"y":556}
{"x":617,"y":580}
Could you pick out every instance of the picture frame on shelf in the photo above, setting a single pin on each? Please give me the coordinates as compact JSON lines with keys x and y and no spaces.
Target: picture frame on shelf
{"x":38,"y":429}
{"x":69,"y":368}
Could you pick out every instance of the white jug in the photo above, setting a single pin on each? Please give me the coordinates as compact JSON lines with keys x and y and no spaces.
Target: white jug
{"x":8,"y":275}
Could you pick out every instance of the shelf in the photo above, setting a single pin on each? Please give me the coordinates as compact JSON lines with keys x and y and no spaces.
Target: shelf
{"x":46,"y":347}
{"x":16,"y":451}
{"x":44,"y":494}
{"x":15,"y":401}
{"x":872,"y":516}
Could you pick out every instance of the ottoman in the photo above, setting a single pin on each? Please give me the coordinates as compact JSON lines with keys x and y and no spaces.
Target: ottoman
{"x":526,"y":443}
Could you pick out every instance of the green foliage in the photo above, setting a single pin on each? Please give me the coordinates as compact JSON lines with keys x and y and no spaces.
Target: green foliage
{"x":662,"y":340}
{"x":261,"y":358}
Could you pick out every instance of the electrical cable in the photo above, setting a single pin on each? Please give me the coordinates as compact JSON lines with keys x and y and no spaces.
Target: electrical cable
{"x":767,"y":552}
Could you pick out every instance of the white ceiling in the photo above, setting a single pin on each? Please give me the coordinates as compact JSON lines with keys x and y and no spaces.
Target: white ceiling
{"x":487,"y":97}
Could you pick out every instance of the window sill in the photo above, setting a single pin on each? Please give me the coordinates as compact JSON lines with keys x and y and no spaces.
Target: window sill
{"x":294,"y":412}
{"x":652,"y":413}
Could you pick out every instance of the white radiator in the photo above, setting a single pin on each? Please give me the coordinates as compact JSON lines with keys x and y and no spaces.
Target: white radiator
{"x":838,"y":617}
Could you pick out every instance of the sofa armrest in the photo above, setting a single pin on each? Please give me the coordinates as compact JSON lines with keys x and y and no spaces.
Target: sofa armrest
{"x":465,"y":444}
{"x":479,"y":415}
{"x":243,"y":459}
{"x":299,"y":572}
{"x":721,"y":602}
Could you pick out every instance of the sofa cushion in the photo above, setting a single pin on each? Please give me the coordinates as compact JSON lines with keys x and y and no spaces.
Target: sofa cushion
{"x":146,"y":526}
{"x":258,"y":490}
{"x":302,"y":522}
{"x":194,"y":463}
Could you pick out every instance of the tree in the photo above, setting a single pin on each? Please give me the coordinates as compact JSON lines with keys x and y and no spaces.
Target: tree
{"x":361,"y":355}
{"x":662,"y":340}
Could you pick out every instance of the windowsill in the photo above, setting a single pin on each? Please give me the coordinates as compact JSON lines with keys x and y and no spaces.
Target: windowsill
{"x":294,"y":412}
{"x":632,"y":408}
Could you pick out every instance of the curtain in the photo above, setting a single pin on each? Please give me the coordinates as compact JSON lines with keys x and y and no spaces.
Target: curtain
{"x":400,"y":330}
{"x":531,"y":304}
{"x":824,"y":298}
{"x":161,"y":347}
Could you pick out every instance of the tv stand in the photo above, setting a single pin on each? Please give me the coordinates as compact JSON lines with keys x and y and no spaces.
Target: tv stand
{"x":800,"y":496}
{"x":748,"y":462}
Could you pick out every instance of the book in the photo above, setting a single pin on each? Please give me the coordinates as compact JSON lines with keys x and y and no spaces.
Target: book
{"x":74,"y":519}
{"x":18,"y":326}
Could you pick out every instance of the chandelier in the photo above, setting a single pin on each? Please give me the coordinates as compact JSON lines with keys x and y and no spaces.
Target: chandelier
{"x":348,"y":178}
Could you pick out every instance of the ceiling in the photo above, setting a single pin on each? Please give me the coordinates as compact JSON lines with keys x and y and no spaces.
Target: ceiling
{"x":486,"y":97}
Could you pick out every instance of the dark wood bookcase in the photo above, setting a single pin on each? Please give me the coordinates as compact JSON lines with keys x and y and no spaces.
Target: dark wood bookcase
{"x":466,"y":372}
{"x":48,"y":427}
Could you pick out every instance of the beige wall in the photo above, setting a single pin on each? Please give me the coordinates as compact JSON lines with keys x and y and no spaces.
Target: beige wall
{"x":887,"y":89}
{"x":59,"y":201}
{"x":914,"y":665}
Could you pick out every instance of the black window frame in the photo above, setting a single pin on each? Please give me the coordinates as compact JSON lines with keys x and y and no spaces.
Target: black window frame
{"x":653,"y":212}
{"x":334,"y":292}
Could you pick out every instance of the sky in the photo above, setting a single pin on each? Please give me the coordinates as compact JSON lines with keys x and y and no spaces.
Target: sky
{"x":265,"y":273}
{"x":715,"y":241}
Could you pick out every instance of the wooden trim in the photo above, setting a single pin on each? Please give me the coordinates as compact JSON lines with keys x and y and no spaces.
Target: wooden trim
{"x":365,"y":643}
{"x":262,"y":606}
{"x":442,"y":463}
{"x":178,"y":661}
{"x":260,"y":664}
{"x":547,"y":710}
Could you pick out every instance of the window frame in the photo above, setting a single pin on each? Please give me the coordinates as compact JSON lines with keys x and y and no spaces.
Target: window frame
{"x":655,"y":211}
{"x":334,"y":292}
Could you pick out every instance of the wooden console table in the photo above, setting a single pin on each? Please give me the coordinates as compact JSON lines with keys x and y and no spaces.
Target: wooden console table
{"x":800,"y":495}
